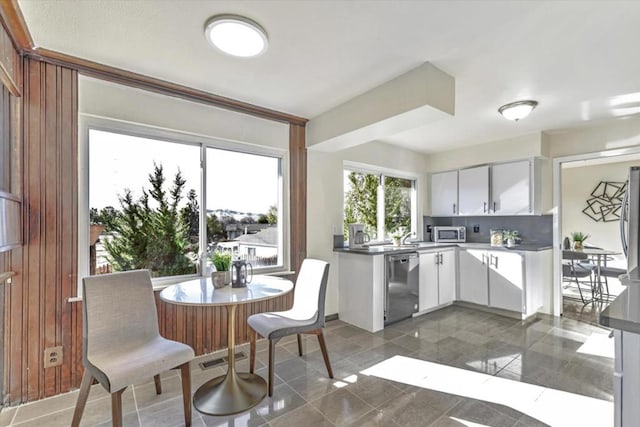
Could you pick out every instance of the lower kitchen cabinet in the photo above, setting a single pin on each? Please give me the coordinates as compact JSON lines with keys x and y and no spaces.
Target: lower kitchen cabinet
{"x":505,"y":279}
{"x":474,"y":280}
{"x":437,"y":278}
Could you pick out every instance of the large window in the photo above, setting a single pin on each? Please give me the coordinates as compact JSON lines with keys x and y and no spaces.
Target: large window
{"x":145,"y":195}
{"x":385,"y":204}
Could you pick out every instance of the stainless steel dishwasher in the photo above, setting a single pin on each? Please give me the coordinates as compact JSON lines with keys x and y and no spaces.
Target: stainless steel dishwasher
{"x":401,"y":286}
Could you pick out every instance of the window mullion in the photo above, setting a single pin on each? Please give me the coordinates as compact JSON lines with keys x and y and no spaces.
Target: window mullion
{"x":202,"y":238}
{"x":380,"y":215}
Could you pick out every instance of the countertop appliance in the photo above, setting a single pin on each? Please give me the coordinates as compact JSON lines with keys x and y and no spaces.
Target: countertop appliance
{"x":443,"y":234}
{"x":357,"y":236}
{"x":402,"y":274}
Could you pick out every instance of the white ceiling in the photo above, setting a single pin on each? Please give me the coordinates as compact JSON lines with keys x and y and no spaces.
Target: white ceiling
{"x":578,"y":59}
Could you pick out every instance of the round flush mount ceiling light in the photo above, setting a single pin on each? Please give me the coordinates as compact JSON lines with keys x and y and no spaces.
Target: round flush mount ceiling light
{"x":517,"y":110}
{"x":236,"y":35}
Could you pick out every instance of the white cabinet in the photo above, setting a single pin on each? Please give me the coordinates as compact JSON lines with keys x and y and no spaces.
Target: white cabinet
{"x":474,"y":278}
{"x":473,"y":184}
{"x":361,"y":290}
{"x":444,"y":193}
{"x":437,"y":278}
{"x":506,"y":280}
{"x":511,"y":189}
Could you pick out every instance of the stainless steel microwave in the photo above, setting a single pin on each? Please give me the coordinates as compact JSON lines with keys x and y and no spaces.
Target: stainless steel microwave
{"x":449,"y":234}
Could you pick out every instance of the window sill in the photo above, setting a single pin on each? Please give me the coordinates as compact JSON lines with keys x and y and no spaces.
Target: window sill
{"x":163,"y":283}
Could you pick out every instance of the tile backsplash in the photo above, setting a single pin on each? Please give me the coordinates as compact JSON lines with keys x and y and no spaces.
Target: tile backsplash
{"x":534,"y":229}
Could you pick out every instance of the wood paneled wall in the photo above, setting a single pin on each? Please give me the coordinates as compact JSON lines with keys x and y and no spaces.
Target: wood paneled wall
{"x":39,"y":315}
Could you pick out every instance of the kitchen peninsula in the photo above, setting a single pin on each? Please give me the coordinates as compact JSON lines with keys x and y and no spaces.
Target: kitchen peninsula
{"x":513,"y":281}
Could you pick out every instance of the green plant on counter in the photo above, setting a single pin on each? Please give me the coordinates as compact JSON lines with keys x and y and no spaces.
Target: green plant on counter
{"x":221,"y":260}
{"x":511,"y":234}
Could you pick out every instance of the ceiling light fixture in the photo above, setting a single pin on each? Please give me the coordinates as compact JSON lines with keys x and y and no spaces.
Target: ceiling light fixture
{"x":236,"y":35}
{"x":517,"y":110}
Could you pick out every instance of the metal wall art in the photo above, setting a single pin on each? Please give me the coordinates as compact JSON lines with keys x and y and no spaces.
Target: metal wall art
{"x":605,"y":201}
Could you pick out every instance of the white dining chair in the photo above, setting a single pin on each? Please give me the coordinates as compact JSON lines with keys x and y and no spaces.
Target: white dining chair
{"x":121,"y":343}
{"x":306,"y":316}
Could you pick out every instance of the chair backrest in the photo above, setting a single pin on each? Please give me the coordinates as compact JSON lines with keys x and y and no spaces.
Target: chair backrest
{"x":119,"y":309}
{"x":574,"y":255}
{"x":310,"y":291}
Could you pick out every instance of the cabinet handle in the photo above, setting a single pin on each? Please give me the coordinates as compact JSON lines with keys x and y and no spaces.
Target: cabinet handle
{"x":484,"y":208}
{"x":441,"y":262}
{"x":454,"y":208}
{"x":494,"y":207}
{"x":483,"y":259}
{"x":437,"y":259}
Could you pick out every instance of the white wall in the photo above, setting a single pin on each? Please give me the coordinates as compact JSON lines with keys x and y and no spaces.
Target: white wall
{"x":103,"y":99}
{"x":577,"y":185}
{"x":609,"y":135}
{"x":517,"y":148}
{"x":325,"y":202}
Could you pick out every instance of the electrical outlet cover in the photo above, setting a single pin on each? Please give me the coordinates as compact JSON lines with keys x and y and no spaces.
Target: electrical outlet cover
{"x":52,"y":356}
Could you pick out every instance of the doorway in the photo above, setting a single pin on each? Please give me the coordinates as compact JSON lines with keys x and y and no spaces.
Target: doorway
{"x":588,"y":192}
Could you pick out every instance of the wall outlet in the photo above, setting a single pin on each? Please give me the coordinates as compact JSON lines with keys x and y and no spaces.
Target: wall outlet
{"x":52,"y":356}
{"x":476,"y":228}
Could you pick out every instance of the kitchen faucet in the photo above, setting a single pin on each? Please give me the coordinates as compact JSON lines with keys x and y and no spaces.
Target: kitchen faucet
{"x":403,"y":239}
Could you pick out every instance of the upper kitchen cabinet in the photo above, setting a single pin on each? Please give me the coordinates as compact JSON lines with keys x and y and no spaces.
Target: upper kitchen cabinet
{"x":473,"y":184}
{"x":444,"y":193}
{"x":511,"y":188}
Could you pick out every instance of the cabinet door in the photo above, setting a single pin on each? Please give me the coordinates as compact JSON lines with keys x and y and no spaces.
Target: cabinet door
{"x":506,"y":280}
{"x":447,"y":277}
{"x":444,"y":193}
{"x":511,"y":188}
{"x":473,"y":277}
{"x":428,"y":295}
{"x":474,"y":190}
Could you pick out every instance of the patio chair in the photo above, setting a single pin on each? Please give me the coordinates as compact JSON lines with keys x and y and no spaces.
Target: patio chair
{"x":574,"y":269}
{"x":121,"y":344}
{"x":305,"y":317}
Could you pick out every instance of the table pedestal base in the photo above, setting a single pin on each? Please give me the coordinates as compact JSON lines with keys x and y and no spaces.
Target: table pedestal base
{"x":230,"y":394}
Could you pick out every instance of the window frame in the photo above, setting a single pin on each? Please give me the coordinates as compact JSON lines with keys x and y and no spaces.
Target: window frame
{"x":89,"y":122}
{"x":381,"y":172}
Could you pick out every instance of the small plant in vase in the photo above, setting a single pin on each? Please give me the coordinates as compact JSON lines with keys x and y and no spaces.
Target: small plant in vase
{"x":578,"y":238}
{"x":221,"y":261}
{"x":511,"y":236}
{"x":396,"y":236}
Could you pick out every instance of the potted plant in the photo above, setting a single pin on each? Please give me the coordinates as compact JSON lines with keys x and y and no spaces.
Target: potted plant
{"x":222,"y":263}
{"x":511,"y":236}
{"x":578,"y":238}
{"x":396,"y":236}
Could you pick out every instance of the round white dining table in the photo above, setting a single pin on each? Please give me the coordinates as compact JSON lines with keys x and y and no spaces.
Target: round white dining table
{"x":235,"y":391}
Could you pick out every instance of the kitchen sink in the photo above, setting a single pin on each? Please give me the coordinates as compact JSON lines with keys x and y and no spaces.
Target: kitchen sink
{"x":407,"y":246}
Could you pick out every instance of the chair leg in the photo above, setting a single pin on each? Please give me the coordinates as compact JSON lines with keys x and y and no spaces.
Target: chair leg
{"x":272,"y":355}
{"x":325,"y":355}
{"x":85,"y":387}
{"x":252,"y":350}
{"x":300,"y":345}
{"x":156,"y":379}
{"x":116,"y":408}
{"x":185,"y":373}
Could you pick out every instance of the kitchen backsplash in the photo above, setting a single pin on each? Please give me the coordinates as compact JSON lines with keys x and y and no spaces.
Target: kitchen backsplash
{"x":533,"y":229}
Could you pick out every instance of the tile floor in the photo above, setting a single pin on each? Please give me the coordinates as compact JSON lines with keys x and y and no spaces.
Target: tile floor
{"x":452,"y":367}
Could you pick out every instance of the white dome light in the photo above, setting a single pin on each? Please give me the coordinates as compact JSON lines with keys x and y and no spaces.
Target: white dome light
{"x":236,"y":35}
{"x":517,"y":110}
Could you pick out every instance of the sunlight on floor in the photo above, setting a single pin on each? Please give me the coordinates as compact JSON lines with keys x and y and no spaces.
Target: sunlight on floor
{"x":598,"y":345}
{"x":553,"y":407}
